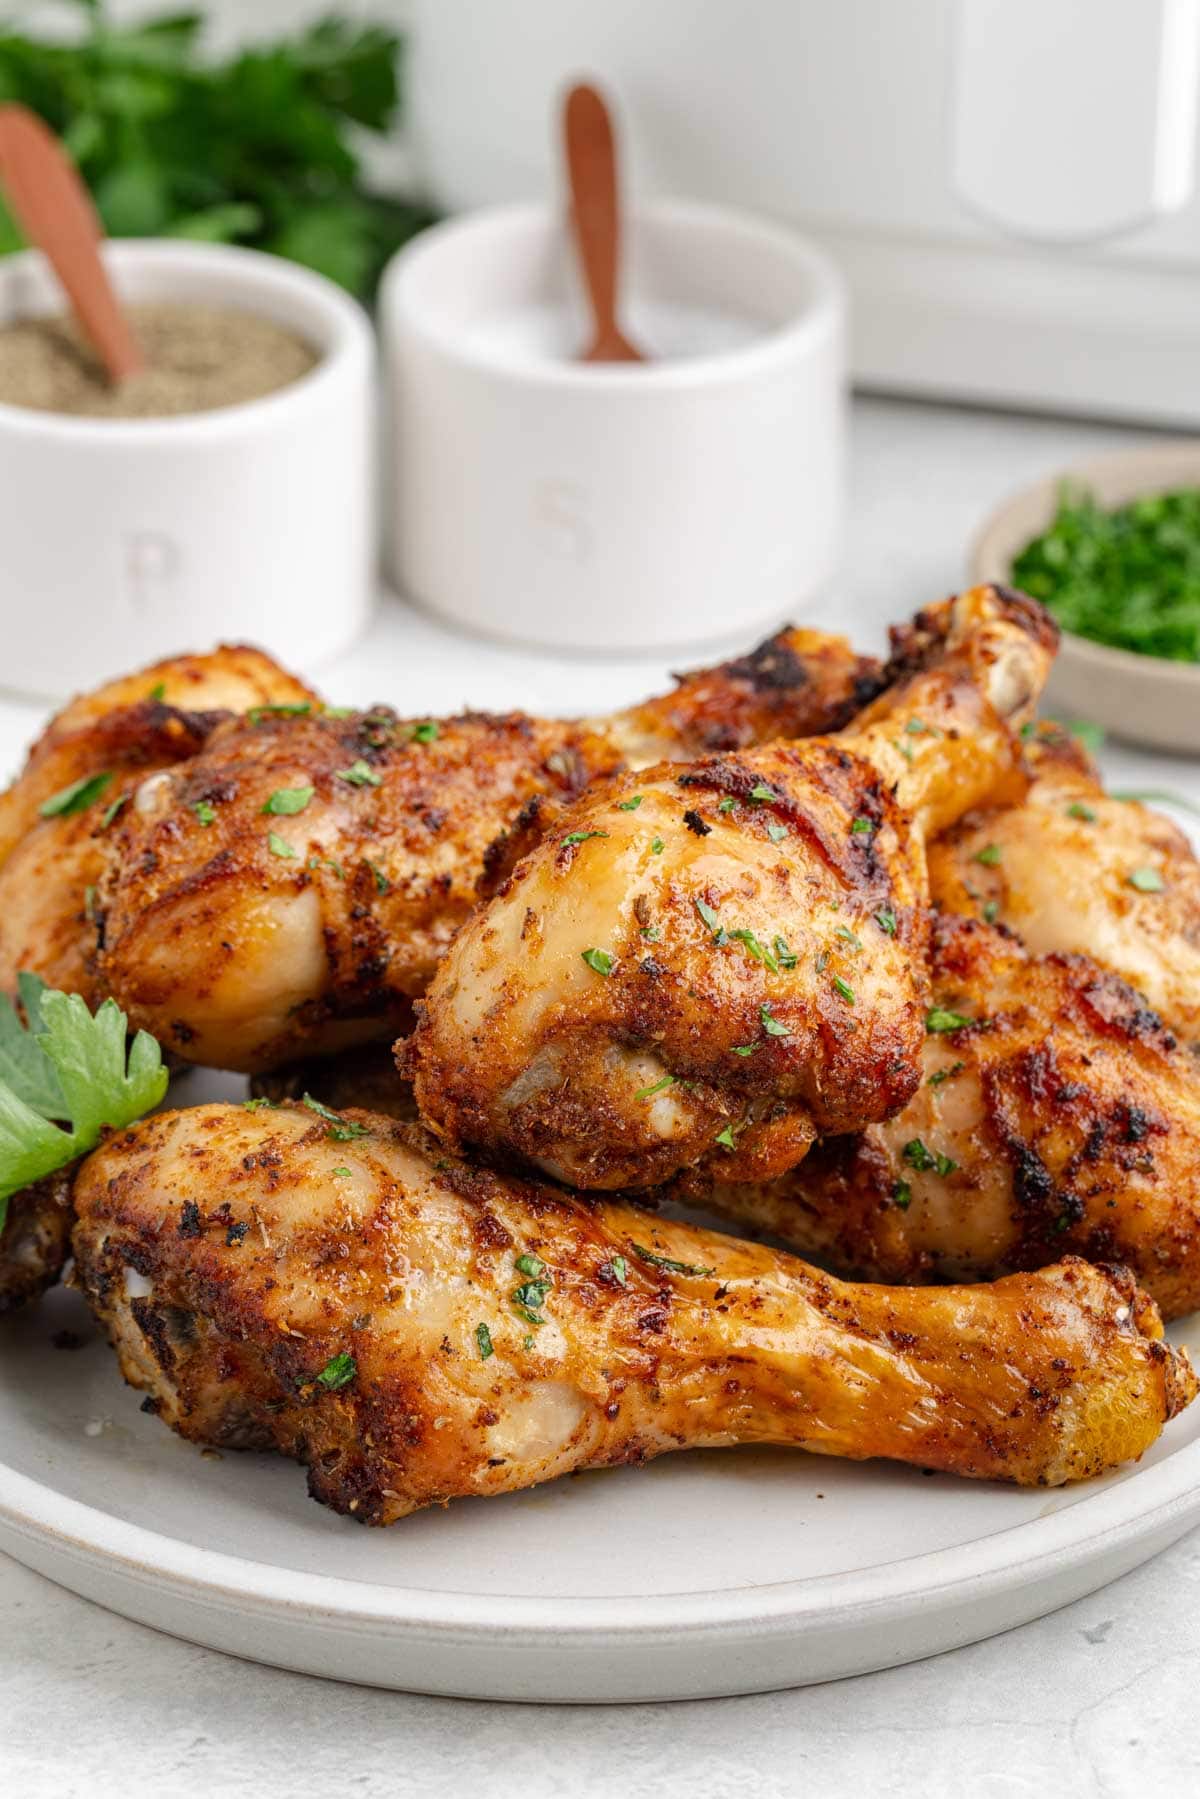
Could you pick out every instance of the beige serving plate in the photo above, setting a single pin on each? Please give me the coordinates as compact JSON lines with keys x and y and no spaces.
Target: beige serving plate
{"x":1143,"y":698}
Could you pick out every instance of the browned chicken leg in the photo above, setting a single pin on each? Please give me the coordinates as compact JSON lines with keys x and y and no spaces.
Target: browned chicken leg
{"x":1072,"y":869}
{"x":1056,"y":1113}
{"x":291,"y":889}
{"x":715,"y":965}
{"x":413,"y":1329}
{"x":56,"y":818}
{"x":55,"y":829}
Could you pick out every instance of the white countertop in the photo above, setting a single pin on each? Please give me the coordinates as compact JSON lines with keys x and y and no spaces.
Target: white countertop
{"x":1097,"y":1699}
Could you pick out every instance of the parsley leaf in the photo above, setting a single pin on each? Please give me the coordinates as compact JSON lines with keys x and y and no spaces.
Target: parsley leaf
{"x":75,"y":798}
{"x":285,"y":802}
{"x":672,"y":1267}
{"x":359,"y":774}
{"x":599,"y":959}
{"x":341,"y":1130}
{"x":338,"y":1371}
{"x":63,"y":1078}
{"x":1146,"y":880}
{"x":938,"y":1019}
{"x":668,"y":1080}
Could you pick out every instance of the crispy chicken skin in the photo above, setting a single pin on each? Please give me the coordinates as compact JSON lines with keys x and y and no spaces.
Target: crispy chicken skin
{"x":413,"y":1330}
{"x":49,"y":867}
{"x":716,"y":964}
{"x":253,"y":939}
{"x":1057,"y":869}
{"x":35,"y":1239}
{"x":1062,"y":1118}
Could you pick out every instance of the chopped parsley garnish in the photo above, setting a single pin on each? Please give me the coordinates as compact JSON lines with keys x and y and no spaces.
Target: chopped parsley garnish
{"x":64,"y":1077}
{"x":75,"y":798}
{"x":755,"y":949}
{"x":425,"y":733}
{"x":1089,"y":735}
{"x":938,"y":1019}
{"x":618,"y":1269}
{"x":359,"y":774}
{"x":629,"y":805}
{"x":582,"y":836}
{"x":256,"y":714}
{"x":599,"y":959}
{"x":382,"y":884}
{"x":777,"y":833}
{"x":945,"y":1074}
{"x":341,"y":1174}
{"x":532,"y":1294}
{"x":848,"y":936}
{"x":530,"y":1264}
{"x":783,"y":955}
{"x":886,"y":920}
{"x":761,"y":794}
{"x":259,"y":1104}
{"x":668,"y":1080}
{"x":1077,"y":809}
{"x":923,"y":1160}
{"x":989,"y":855}
{"x":841,"y":987}
{"x":111,"y":810}
{"x":916,"y":727}
{"x":771,"y":1024}
{"x":1125,"y":575}
{"x":709,"y":916}
{"x":279,"y":846}
{"x":651,"y":932}
{"x":902,"y":1195}
{"x":860,"y":826}
{"x":1146,"y":880}
{"x":204,"y":812}
{"x":483,"y":1338}
{"x":158,"y":692}
{"x":338,"y":1371}
{"x":725,"y":1139}
{"x":991,"y":911}
{"x":672,"y":1267}
{"x":657,"y":847}
{"x":341,"y":1130}
{"x":285,"y":802}
{"x":727,"y":804}
{"x":744,"y":1049}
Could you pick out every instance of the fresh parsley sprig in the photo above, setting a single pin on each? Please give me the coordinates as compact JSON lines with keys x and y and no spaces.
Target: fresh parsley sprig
{"x":66,"y":1076}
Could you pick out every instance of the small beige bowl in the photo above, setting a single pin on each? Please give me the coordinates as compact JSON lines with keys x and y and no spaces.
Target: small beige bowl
{"x":1143,"y":698}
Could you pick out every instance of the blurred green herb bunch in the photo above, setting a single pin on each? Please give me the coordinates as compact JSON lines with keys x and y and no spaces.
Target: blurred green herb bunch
{"x":257,"y":148}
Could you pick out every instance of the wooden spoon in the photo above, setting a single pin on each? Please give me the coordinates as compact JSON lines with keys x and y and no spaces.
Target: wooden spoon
{"x":55,"y":212}
{"x":592,"y":170}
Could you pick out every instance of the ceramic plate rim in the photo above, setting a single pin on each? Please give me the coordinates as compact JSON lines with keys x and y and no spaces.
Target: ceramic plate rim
{"x":1102,"y":1523}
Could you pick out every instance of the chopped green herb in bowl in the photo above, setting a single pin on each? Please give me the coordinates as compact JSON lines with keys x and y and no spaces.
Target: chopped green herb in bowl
{"x":1128,"y":577}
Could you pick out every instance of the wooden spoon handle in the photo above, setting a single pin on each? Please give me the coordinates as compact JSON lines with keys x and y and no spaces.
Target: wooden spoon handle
{"x":55,"y":212}
{"x":592,"y":171}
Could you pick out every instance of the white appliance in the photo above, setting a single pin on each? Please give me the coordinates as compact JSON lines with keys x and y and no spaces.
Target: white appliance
{"x":1008,"y":185}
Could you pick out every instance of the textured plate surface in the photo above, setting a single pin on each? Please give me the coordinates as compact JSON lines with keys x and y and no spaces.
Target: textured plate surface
{"x":729,"y":1572}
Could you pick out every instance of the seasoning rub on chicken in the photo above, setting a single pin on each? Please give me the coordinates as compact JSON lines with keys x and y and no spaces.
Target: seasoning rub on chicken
{"x":1073,"y":868}
{"x":413,"y":1329}
{"x":713,"y":965}
{"x":1055,"y":1114}
{"x":291,"y":889}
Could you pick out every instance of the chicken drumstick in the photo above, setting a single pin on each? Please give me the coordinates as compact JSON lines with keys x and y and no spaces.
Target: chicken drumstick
{"x":414,"y":1330}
